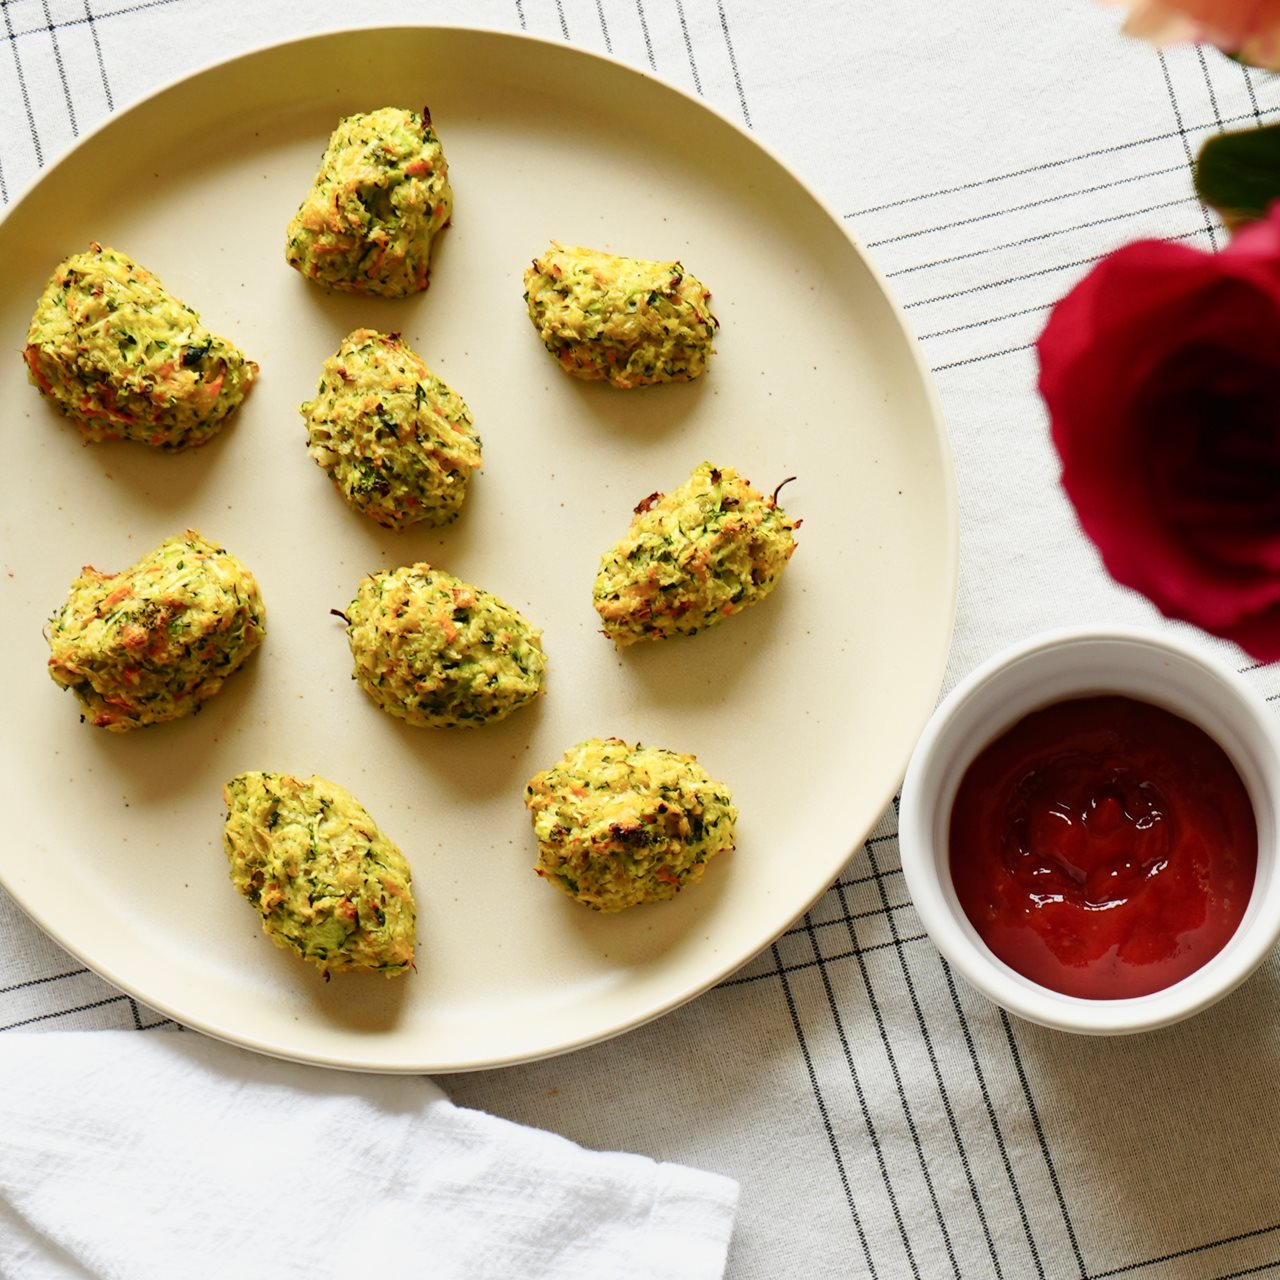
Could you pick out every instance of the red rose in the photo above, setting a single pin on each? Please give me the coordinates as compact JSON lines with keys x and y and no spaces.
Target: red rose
{"x":1161,"y":371}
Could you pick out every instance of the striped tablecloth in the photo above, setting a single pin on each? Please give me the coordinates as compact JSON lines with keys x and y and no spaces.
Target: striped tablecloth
{"x":883,"y":1120}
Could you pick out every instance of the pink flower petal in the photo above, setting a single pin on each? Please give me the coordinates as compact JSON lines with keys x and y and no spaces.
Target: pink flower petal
{"x":1249,"y":28}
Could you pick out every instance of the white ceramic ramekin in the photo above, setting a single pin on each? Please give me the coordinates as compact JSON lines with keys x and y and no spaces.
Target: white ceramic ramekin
{"x":1148,"y":666}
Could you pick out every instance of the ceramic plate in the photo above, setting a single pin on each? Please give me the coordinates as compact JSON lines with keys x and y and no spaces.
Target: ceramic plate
{"x":807,"y":706}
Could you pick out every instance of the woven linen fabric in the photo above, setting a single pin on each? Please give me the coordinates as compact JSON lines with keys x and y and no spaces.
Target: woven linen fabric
{"x":882,"y":1119}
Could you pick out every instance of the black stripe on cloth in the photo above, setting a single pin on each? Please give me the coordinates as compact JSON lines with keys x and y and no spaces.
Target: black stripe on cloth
{"x":1043,"y":235}
{"x":1026,"y":275}
{"x":62,"y":1013}
{"x":1208,"y":84}
{"x":781,"y":975}
{"x":688,"y":48}
{"x":564,"y":25}
{"x":644,"y":30}
{"x":137,"y":1017}
{"x":1186,"y":145}
{"x":992,"y":1118}
{"x":937,"y":1077}
{"x":883,"y":875}
{"x":845,"y":918}
{"x":62,"y":70}
{"x":887,"y":1045}
{"x":1011,"y":315}
{"x":978,"y":324}
{"x":97,"y":49}
{"x":1047,"y":164}
{"x":1042,"y":271}
{"x":4,"y":189}
{"x":1044,"y":1144}
{"x":64,"y":23}
{"x":867,"y":1120}
{"x":1250,"y":1271}
{"x":35,"y":982}
{"x":1030,"y":204}
{"x":22,"y":89}
{"x":733,"y":63}
{"x":892,"y":835}
{"x":1186,"y":1253}
{"x":831,"y":959}
{"x":857,"y":1085}
{"x":988,"y":355}
{"x":524,"y":26}
{"x":1253,"y":97}
{"x":875,"y":875}
{"x":604,"y":26}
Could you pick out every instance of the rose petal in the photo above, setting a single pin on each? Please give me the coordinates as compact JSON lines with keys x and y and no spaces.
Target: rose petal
{"x":1103,"y":301}
{"x":1139,"y":363}
{"x":1258,"y":635}
{"x":1258,"y":242}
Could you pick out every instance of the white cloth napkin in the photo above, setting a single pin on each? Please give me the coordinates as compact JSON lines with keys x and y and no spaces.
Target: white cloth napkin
{"x":138,"y":1156}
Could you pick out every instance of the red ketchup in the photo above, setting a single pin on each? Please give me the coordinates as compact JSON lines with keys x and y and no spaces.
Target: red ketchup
{"x":1103,"y":847}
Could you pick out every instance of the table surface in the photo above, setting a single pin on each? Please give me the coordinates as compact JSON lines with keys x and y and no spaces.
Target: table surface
{"x":882,"y":1118}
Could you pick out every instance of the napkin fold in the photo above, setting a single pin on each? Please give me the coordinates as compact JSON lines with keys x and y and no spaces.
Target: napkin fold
{"x":138,"y":1156}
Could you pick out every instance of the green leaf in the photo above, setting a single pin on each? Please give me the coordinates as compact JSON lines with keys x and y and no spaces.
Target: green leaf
{"x":1238,"y":174}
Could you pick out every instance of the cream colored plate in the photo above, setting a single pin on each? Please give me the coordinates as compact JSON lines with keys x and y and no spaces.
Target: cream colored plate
{"x":807,"y":706}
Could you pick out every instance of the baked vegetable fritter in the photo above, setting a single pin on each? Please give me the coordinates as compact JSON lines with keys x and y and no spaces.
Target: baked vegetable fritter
{"x":380,"y":196}
{"x":328,"y":884}
{"x":126,"y":360}
{"x":397,"y":441}
{"x":435,"y":651}
{"x":618,"y":825}
{"x":154,"y":642}
{"x":692,"y":558}
{"x":627,"y":320}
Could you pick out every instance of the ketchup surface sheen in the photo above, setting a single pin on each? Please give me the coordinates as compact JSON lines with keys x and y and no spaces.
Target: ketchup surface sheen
{"x":1103,"y":847}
